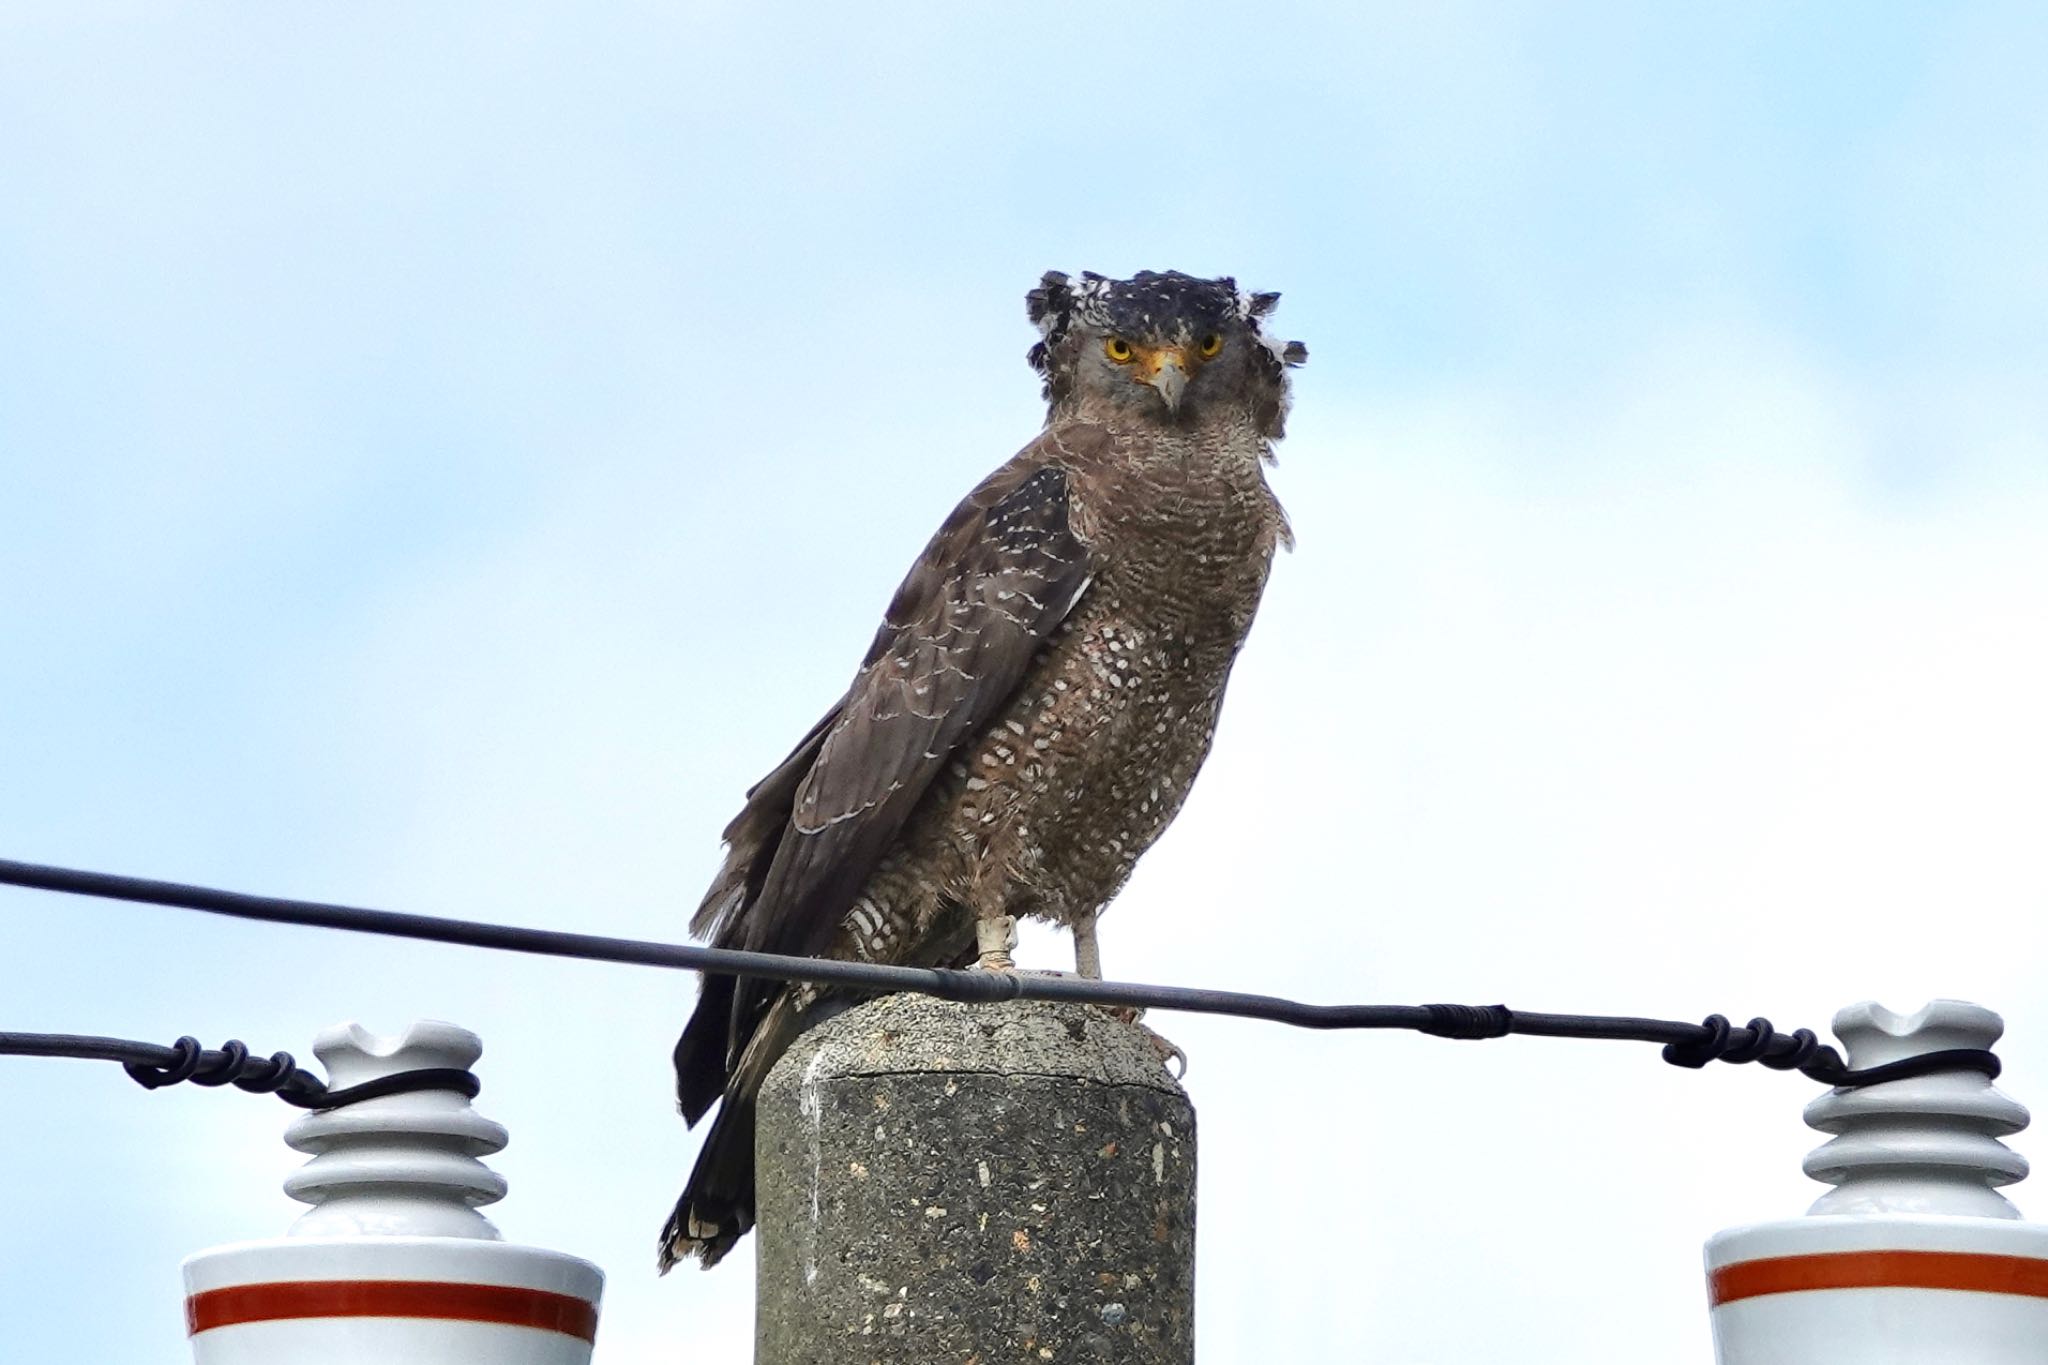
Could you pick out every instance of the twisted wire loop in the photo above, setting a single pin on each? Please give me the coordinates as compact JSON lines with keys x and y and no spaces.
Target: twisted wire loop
{"x":1805,"y":1047}
{"x":279,"y":1075}
{"x":230,"y":1065}
{"x":1759,"y":1042}
{"x":155,"y":1077}
{"x":1802,"y":1051}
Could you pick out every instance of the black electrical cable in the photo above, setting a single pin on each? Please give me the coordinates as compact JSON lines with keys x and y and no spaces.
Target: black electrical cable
{"x":1688,"y":1045}
{"x":152,"y":1067}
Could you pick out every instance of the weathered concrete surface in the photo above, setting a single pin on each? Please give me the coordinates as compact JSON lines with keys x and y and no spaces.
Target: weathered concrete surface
{"x":955,"y":1184}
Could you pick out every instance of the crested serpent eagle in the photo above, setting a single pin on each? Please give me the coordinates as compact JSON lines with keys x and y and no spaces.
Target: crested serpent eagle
{"x":1042,"y":691}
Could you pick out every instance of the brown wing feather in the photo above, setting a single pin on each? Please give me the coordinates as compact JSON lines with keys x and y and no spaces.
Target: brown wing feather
{"x":755,"y":833}
{"x":995,"y":581}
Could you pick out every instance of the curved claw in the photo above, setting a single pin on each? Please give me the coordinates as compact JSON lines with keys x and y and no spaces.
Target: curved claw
{"x":1169,"y":1054}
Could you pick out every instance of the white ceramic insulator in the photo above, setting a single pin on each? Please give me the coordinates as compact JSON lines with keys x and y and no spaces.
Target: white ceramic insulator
{"x":401,"y":1165}
{"x":1914,"y":1256}
{"x":393,"y":1263}
{"x":1925,"y":1145}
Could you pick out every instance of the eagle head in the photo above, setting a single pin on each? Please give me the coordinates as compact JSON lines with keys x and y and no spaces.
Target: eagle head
{"x":1161,"y":347}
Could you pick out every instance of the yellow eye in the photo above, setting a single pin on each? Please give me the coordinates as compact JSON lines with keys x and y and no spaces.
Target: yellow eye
{"x":1210,"y":345}
{"x":1117,"y":349}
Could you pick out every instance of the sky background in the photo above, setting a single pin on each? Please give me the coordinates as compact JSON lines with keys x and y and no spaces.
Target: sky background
{"x":448,"y":452}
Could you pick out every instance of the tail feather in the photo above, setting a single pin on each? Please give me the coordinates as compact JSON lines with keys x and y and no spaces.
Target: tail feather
{"x":717,"y":1207}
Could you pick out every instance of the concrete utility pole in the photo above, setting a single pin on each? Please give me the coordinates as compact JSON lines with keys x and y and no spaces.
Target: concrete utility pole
{"x":973,"y":1184}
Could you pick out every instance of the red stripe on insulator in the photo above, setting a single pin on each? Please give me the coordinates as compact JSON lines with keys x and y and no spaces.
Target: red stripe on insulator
{"x":1975,"y":1271}
{"x":513,"y":1307}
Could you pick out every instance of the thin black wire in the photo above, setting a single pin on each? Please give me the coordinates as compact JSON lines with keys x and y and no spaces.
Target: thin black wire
{"x":1688,"y":1045}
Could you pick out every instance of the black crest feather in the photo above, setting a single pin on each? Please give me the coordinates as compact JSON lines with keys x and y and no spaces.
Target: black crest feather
{"x":1049,"y":307}
{"x":1052,"y":296}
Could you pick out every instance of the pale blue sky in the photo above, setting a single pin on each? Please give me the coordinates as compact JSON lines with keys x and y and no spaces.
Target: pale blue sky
{"x":447,"y":452}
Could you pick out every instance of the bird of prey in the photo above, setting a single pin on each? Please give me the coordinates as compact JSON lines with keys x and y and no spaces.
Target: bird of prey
{"x":1034,"y":708}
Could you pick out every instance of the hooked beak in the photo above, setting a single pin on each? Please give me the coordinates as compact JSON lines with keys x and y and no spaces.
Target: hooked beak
{"x":1168,"y":373}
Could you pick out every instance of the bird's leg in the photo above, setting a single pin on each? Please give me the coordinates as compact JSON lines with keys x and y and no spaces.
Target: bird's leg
{"x":1088,"y":962}
{"x":1087,"y":948}
{"x":995,"y":936}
